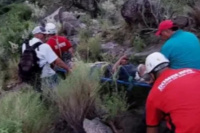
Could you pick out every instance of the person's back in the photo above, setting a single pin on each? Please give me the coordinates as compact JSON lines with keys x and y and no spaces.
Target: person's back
{"x":182,"y":49}
{"x":176,"y":93}
{"x":59,"y":44}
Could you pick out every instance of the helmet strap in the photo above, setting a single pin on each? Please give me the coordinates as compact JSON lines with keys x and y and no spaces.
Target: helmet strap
{"x":160,"y":67}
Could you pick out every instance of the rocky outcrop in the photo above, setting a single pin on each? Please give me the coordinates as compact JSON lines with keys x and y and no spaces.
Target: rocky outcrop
{"x":67,"y":22}
{"x":144,"y":12}
{"x":89,"y":6}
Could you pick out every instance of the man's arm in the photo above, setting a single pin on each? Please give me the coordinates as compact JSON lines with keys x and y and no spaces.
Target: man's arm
{"x":153,"y":114}
{"x":152,"y":129}
{"x":116,"y":65}
{"x":60,"y":63}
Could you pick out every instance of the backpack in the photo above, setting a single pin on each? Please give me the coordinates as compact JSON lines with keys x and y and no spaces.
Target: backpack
{"x":28,"y":66}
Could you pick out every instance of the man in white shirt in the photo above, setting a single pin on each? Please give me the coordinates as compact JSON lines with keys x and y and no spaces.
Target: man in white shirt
{"x":46,"y":56}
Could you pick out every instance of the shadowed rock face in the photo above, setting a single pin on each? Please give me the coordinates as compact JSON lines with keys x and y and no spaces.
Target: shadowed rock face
{"x":144,"y":12}
{"x":182,"y":21}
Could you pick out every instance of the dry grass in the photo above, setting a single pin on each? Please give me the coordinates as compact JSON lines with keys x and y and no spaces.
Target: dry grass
{"x":76,"y":97}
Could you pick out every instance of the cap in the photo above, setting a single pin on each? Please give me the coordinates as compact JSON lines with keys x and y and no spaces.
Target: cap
{"x":164,"y":25}
{"x":39,"y":29}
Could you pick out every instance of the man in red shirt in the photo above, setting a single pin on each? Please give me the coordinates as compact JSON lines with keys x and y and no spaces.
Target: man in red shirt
{"x":60,"y":45}
{"x":174,"y":97}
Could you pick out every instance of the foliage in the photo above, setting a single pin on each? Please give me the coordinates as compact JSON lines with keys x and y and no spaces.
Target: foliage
{"x":89,"y":47}
{"x":138,"y":43}
{"x":123,"y":35}
{"x":9,"y":75}
{"x":115,"y":104}
{"x":7,"y":2}
{"x":37,"y":11}
{"x":13,"y":23}
{"x":177,"y":5}
{"x":110,"y":10}
{"x":76,"y":97}
{"x":24,"y":112}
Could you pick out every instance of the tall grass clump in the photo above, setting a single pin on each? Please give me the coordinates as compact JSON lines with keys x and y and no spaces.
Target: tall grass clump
{"x":24,"y":112}
{"x":77,"y":96}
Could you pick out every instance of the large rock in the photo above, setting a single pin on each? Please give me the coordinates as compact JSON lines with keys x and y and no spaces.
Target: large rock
{"x":67,"y":22}
{"x":145,"y":12}
{"x":89,"y":6}
{"x":182,"y":21}
{"x":95,"y":126}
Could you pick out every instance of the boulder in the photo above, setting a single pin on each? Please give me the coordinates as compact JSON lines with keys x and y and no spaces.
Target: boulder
{"x":95,"y":126}
{"x":181,"y":21}
{"x":144,"y":12}
{"x":67,"y":22}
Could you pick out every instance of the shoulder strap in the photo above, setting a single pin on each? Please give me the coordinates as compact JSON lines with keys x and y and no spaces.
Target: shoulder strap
{"x":36,"y":45}
{"x":27,"y":44}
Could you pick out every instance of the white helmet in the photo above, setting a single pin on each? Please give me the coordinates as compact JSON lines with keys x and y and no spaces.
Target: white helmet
{"x":51,"y":28}
{"x":154,"y":62}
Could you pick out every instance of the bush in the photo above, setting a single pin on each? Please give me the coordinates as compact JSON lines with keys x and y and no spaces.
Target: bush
{"x":13,"y":24}
{"x":115,"y":104}
{"x":177,"y":5}
{"x":76,"y":97}
{"x":138,"y":43}
{"x":9,"y":75}
{"x":110,"y":10}
{"x":24,"y":112}
{"x":89,"y":47}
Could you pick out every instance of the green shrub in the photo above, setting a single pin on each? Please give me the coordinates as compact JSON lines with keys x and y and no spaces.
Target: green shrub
{"x":90,"y":48}
{"x":138,"y":43}
{"x":24,"y":112}
{"x":76,"y":97}
{"x":13,"y":24}
{"x":115,"y":104}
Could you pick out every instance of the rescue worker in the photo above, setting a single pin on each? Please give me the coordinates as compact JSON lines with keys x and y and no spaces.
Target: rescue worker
{"x":182,"y":48}
{"x":60,"y":44}
{"x":174,"y":97}
{"x":46,"y":58}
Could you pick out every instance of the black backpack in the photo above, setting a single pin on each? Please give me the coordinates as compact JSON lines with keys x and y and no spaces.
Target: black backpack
{"x":29,"y":68}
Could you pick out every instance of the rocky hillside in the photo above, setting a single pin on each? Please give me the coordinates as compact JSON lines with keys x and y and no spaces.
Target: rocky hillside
{"x":100,"y":30}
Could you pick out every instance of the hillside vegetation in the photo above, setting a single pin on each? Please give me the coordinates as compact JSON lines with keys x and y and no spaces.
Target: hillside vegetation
{"x":101,"y":30}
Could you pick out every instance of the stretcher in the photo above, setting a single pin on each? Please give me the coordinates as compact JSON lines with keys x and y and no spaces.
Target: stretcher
{"x":133,"y":83}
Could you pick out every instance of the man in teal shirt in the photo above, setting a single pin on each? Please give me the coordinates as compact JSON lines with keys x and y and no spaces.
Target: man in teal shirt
{"x":182,"y":48}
